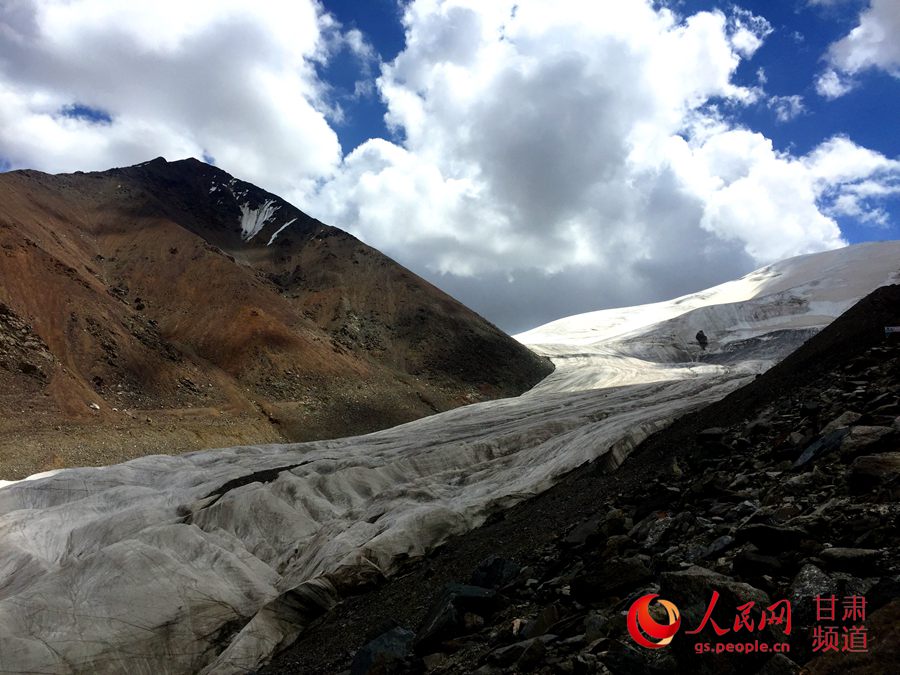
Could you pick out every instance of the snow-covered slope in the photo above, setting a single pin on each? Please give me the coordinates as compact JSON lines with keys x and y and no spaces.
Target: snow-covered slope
{"x":211,"y":560}
{"x":751,"y":322}
{"x":815,"y":288}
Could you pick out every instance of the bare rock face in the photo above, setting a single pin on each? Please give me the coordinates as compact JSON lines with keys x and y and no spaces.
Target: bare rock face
{"x":21,"y":350}
{"x":224,"y":312}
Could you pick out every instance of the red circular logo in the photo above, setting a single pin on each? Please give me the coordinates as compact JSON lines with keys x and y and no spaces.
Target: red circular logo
{"x":645,"y":630}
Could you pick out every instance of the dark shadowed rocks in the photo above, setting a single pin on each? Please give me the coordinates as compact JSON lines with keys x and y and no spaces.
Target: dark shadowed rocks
{"x":455,"y":612}
{"x":388,"y":654}
{"x":871,"y":472}
{"x":495,"y":572}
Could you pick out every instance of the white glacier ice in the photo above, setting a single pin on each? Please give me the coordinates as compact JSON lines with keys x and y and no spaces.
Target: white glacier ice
{"x":209,"y":561}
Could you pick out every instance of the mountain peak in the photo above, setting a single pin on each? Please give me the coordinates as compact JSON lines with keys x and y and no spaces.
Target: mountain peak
{"x":223,"y":311}
{"x":229,"y":212}
{"x":155,"y":162}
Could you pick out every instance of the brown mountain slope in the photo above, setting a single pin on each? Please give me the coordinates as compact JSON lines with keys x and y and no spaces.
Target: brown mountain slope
{"x":137,"y":316}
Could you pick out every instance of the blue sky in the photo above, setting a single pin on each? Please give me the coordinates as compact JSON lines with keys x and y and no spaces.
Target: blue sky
{"x":535,"y":159}
{"x":380,"y":22}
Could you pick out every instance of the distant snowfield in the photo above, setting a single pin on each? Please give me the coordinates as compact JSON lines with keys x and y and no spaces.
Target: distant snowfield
{"x":210,"y":561}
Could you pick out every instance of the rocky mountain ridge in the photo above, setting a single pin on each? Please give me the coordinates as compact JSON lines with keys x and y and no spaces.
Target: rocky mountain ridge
{"x":168,"y":306}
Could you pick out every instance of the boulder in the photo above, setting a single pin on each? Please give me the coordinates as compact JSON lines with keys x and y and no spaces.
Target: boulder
{"x":872,"y":471}
{"x":691,"y":590}
{"x":614,"y":523}
{"x":860,"y":561}
{"x":823,"y":445}
{"x":510,"y":654}
{"x":448,"y":615}
{"x":753,"y":565}
{"x":809,"y":582}
{"x":495,"y":572}
{"x":859,"y":438}
{"x":843,"y":421}
{"x":542,"y":623}
{"x":717,"y":547}
{"x":584,"y":533}
{"x":771,"y":538}
{"x":387,"y":654}
{"x":615,"y":576}
{"x":596,"y":625}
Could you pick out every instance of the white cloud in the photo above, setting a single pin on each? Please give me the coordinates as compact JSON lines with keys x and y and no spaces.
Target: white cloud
{"x":232,"y":79}
{"x":831,"y":85}
{"x":748,"y":31}
{"x":358,"y":44}
{"x":530,"y":119}
{"x":585,"y":154}
{"x":839,"y":160}
{"x":787,"y":107}
{"x":849,"y":204}
{"x":754,"y":195}
{"x":872,"y":43}
{"x":889,"y":185}
{"x":852,"y":180}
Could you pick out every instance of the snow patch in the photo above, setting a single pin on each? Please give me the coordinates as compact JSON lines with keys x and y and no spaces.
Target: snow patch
{"x":279,"y":231}
{"x":253,"y":220}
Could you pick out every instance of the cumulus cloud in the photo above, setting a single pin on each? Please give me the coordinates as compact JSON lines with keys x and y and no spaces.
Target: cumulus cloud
{"x":582,"y":155}
{"x":226,"y":78}
{"x":519,"y":127}
{"x":872,"y":43}
{"x":854,"y":181}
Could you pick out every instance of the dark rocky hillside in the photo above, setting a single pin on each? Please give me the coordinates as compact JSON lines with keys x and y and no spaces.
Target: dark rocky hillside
{"x":786,"y":489}
{"x":168,"y":306}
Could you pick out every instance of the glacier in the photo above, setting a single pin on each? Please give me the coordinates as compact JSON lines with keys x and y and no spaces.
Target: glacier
{"x":211,"y":561}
